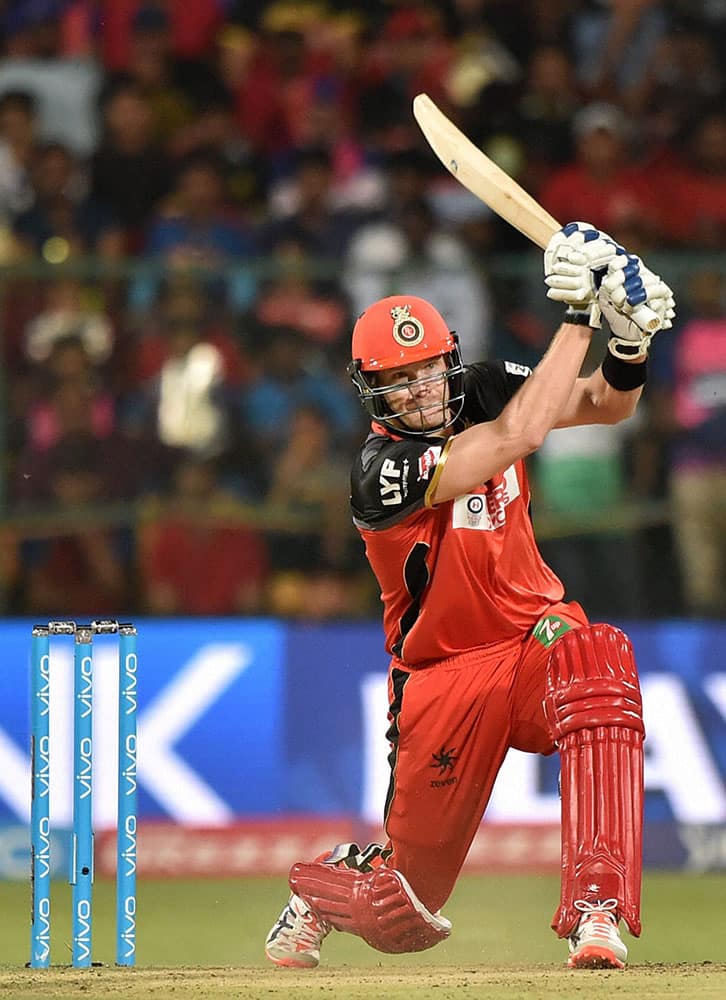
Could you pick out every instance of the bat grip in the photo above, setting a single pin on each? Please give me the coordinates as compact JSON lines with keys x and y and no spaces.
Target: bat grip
{"x":646,"y":318}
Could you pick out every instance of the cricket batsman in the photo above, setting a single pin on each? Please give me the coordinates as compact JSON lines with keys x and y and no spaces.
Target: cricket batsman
{"x":485,"y":653}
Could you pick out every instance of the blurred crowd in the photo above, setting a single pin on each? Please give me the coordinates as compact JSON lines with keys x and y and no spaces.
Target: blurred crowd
{"x":198,"y":198}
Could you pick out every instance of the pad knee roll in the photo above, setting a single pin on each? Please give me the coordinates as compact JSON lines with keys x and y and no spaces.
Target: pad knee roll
{"x":594,"y":709}
{"x":380,"y":906}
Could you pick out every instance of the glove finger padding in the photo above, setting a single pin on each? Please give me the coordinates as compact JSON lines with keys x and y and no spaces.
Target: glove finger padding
{"x":581,"y":272}
{"x":634,"y":284}
{"x":573,"y":260}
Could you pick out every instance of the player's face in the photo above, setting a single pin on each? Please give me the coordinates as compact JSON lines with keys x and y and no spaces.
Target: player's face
{"x":419,"y":393}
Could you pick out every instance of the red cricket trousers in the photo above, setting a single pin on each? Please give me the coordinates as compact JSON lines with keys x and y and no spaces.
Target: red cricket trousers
{"x":451,"y":725}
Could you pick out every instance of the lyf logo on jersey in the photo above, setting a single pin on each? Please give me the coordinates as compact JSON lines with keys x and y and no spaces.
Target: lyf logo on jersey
{"x":427,"y":462}
{"x":391,"y":481}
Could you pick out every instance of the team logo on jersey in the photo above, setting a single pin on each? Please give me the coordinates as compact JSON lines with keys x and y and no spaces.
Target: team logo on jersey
{"x":407,"y":330}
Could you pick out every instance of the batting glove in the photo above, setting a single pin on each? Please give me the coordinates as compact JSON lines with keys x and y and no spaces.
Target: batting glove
{"x":636,"y":304}
{"x":575,"y":261}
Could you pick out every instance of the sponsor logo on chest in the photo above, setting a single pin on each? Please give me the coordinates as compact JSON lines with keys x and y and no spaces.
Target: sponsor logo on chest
{"x":487,"y":511}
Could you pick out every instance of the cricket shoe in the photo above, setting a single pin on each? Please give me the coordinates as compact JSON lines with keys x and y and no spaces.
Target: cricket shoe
{"x":295,"y":938}
{"x":596,"y":942}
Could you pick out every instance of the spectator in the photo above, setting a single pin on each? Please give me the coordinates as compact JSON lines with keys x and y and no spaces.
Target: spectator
{"x":83,"y":567}
{"x":74,"y":398}
{"x":184,"y":304}
{"x":410,"y":54}
{"x":320,"y":593}
{"x":602,"y":184}
{"x":693,"y":193}
{"x":64,"y":89}
{"x":75,"y":406}
{"x":62,"y":223}
{"x":69,"y":312}
{"x":186,"y":404}
{"x":613,"y":44}
{"x":692,"y":406}
{"x":189,"y":103}
{"x":197,"y":557}
{"x":544,"y":113}
{"x":685,"y":81}
{"x":305,"y":212}
{"x":411,"y":252}
{"x":195,"y":231}
{"x":129,"y":170}
{"x":290,"y":375}
{"x":252,"y":80}
{"x":355,"y":180}
{"x":309,"y":477}
{"x":18,"y":138}
{"x":314,"y":308}
{"x":192,"y":27}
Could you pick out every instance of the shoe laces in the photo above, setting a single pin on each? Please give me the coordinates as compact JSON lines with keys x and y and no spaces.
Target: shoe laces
{"x":308,"y":928}
{"x":605,"y":928}
{"x":608,"y":906}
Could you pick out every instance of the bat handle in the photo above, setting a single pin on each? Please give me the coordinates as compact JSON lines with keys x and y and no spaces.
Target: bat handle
{"x":646,"y":318}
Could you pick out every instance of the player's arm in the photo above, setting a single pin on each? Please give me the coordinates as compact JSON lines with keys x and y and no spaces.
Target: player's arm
{"x":594,"y":400}
{"x":480,"y":452}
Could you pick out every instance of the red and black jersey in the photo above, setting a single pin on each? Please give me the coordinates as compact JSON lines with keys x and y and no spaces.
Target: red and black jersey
{"x":465,"y":572}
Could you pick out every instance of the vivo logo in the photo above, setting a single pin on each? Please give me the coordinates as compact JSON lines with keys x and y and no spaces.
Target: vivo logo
{"x":85,"y":695}
{"x":42,"y":848}
{"x":129,"y":772}
{"x":41,"y":785}
{"x":41,"y":933}
{"x":82,"y":939}
{"x":128,"y":934}
{"x":85,"y":775}
{"x":43,"y":693}
{"x":128,"y":692}
{"x":129,"y":852}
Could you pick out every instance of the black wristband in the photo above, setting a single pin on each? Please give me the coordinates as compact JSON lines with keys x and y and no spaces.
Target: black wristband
{"x":623,"y":375}
{"x":578,"y":318}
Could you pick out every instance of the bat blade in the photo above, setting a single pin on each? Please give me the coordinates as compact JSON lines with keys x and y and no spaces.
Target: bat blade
{"x":492,"y":185}
{"x":480,"y":175}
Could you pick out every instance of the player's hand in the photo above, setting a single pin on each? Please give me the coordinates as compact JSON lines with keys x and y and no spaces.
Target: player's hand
{"x":575,"y":260}
{"x":638,"y":284}
{"x":636,"y":304}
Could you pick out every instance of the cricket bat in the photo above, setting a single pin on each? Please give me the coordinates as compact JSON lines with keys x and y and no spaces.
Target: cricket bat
{"x":492,"y":185}
{"x":480,"y":175}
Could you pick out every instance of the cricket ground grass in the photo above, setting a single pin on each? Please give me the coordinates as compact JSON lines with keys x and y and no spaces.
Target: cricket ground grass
{"x":205,"y":939}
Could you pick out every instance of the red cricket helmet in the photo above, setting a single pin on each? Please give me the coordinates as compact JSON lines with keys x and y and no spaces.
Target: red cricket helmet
{"x":396,"y":331}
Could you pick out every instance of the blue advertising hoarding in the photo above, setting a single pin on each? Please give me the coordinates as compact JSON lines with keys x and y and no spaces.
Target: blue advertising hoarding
{"x":247,"y":718}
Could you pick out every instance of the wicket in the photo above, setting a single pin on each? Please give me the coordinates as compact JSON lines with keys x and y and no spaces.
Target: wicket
{"x":81,"y":873}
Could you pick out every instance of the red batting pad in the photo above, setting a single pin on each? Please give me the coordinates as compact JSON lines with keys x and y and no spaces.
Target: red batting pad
{"x":594,"y":707}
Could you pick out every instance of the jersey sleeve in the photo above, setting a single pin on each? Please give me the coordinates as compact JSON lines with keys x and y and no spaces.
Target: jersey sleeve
{"x":489,"y":386}
{"x":390,"y":479}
